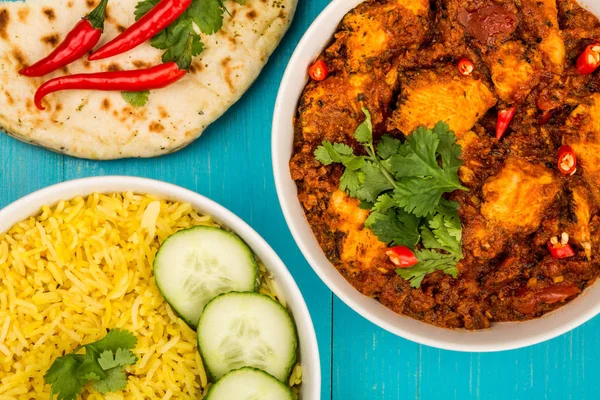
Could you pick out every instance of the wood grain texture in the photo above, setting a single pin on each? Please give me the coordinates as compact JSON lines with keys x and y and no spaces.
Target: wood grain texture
{"x":231,"y":163}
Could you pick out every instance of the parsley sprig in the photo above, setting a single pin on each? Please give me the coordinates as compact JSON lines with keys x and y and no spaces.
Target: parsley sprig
{"x":103,"y":364}
{"x":403,"y":184}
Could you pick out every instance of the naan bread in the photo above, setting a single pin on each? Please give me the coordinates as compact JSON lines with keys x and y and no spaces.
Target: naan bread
{"x":101,"y":125}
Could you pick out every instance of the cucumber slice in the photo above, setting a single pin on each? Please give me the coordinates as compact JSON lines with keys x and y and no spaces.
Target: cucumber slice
{"x":247,"y":330}
{"x":194,"y":265}
{"x":249,"y":384}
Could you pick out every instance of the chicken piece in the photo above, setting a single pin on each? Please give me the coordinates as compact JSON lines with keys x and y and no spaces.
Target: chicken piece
{"x":515,"y":71}
{"x":357,"y":246}
{"x":582,"y":208}
{"x":540,"y":18}
{"x":441,"y":95}
{"x":516,"y":198}
{"x":583,"y":127}
{"x":331,"y":110}
{"x":375,"y":32}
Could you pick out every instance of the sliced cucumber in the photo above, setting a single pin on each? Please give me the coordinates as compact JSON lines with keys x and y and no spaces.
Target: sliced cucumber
{"x":247,"y":330}
{"x":195,"y":265}
{"x":249,"y":384}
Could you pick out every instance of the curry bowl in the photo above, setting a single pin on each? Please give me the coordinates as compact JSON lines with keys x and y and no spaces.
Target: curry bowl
{"x":281,"y":284}
{"x":501,"y":335}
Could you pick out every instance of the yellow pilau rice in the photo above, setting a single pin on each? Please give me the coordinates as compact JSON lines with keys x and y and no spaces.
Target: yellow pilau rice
{"x":85,"y":266}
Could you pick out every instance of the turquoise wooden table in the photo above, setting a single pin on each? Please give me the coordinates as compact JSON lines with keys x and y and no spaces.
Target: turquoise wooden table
{"x":231,"y":163}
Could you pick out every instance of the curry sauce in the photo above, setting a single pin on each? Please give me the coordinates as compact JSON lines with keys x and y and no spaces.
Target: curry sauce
{"x":398,"y":58}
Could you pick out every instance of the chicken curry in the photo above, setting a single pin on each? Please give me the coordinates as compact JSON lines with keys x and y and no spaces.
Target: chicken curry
{"x":505,"y":76}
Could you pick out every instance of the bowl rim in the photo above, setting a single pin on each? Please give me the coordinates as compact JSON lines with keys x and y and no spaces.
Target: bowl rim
{"x":31,"y":204}
{"x":313,"y":39}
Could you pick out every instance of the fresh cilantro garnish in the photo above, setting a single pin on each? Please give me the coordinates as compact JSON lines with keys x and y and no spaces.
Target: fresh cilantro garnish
{"x":429,"y":261}
{"x":403,"y":184}
{"x":136,"y":99}
{"x":181,"y":41}
{"x":103,"y":364}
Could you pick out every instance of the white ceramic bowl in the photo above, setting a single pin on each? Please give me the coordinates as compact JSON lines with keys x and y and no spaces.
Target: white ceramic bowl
{"x":501,"y":336}
{"x":309,"y":351}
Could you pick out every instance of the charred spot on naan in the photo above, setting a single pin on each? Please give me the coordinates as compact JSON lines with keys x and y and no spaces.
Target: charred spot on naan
{"x":196,"y":66}
{"x":156,"y":127}
{"x":49,"y":13}
{"x":19,"y":58}
{"x":4,"y":20}
{"x":114,"y":67}
{"x":252,"y":14}
{"x":105,"y":105}
{"x":51,"y":40}
{"x":141,"y":64}
{"x":23,"y":13}
{"x":162,"y":112}
{"x":9,"y":98}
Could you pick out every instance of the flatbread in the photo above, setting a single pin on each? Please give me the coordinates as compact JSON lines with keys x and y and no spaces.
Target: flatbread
{"x":101,"y":125}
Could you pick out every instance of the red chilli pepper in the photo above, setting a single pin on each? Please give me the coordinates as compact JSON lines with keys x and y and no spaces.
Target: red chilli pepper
{"x":81,"y":39}
{"x":154,"y":21}
{"x":589,"y":60}
{"x":401,"y":256}
{"x":318,"y":71}
{"x":465,"y":67}
{"x":561,"y":251}
{"x":139,"y":80}
{"x":504,"y":118}
{"x":567,"y":160}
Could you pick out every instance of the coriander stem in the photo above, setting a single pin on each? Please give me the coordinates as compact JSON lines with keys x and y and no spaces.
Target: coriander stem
{"x":384,"y":171}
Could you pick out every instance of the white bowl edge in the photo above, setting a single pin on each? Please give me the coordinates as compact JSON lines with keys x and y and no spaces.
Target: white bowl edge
{"x":501,"y":336}
{"x":309,"y":350}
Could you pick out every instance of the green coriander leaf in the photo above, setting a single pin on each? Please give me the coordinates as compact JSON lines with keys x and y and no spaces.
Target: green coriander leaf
{"x":353,"y":163}
{"x":136,"y":99}
{"x":449,"y":209}
{"x":374,"y":182}
{"x":448,"y":149}
{"x":343,"y":149}
{"x":439,"y":237}
{"x":387,"y":147}
{"x":364,"y":132}
{"x":329,"y":153}
{"x":326,"y":155}
{"x":62,"y":377}
{"x":417,"y":155}
{"x":120,"y":358}
{"x":429,"y":261}
{"x":114,"y":340}
{"x":395,"y":227}
{"x":350,"y":182}
{"x":384,"y":203}
{"x":420,"y":196}
{"x":421,"y":181}
{"x":115,"y":380}
{"x":91,"y":377}
{"x":143,"y":7}
{"x":90,"y":366}
{"x":207,"y":14}
{"x":365,"y":205}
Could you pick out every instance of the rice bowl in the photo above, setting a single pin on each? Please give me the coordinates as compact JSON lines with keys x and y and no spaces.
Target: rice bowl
{"x":84,"y":285}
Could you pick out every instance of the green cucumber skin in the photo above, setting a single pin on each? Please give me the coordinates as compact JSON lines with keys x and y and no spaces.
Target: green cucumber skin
{"x":212,"y":389}
{"x":156,"y":257}
{"x":210,"y":374}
